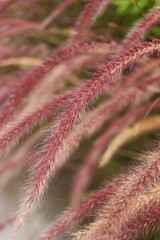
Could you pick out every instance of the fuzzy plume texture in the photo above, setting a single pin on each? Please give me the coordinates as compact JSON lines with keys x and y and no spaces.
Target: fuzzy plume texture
{"x":76,"y":95}
{"x":79,"y":101}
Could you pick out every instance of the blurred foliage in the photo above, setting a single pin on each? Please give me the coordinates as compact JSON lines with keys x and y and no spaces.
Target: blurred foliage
{"x":124,"y":14}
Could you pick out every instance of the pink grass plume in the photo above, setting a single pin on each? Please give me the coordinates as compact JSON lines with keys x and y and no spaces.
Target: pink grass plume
{"x":26,"y":83}
{"x":56,"y":12}
{"x":89,"y":164}
{"x":138,"y":32}
{"x":77,"y":104}
{"x":91,"y":12}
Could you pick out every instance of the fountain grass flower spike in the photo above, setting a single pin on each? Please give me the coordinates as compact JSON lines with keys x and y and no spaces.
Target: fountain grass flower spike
{"x":71,"y":88}
{"x":46,"y":166}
